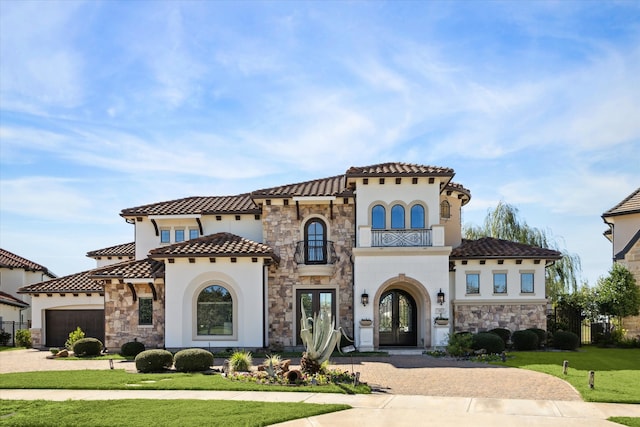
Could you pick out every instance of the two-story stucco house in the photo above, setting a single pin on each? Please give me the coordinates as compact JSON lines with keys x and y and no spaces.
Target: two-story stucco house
{"x":624,"y":233}
{"x":380,"y":247}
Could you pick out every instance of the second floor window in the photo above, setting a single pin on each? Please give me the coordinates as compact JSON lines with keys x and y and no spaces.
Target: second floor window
{"x":473,"y":283}
{"x":445,"y":210}
{"x":315,"y":237}
{"x":417,"y":216}
{"x":499,"y":283}
{"x":378,"y":217}
{"x":526,"y":283}
{"x":179,"y":235}
{"x":165,"y":236}
{"x":397,"y":217}
{"x":193,"y":233}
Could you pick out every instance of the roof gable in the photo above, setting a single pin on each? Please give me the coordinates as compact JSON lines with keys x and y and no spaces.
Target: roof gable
{"x":11,"y":260}
{"x":630,"y":205}
{"x":489,"y":247}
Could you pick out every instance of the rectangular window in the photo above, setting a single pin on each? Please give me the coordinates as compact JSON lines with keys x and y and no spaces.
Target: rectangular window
{"x":499,"y":283}
{"x":193,"y":233}
{"x":473,"y":283}
{"x":165,"y":236}
{"x":526,"y":283}
{"x":179,"y":235}
{"x":145,"y":311}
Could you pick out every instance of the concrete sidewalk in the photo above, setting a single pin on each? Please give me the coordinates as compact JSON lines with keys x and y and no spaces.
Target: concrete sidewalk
{"x":381,"y":409}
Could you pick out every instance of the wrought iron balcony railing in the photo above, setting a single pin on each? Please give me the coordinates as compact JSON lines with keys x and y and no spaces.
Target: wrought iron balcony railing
{"x":397,"y":238}
{"x":315,"y":252}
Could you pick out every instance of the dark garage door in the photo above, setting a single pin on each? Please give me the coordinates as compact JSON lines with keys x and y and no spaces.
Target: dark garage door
{"x":59,"y":323}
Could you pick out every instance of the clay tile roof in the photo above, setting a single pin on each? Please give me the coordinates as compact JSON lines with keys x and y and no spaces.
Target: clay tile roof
{"x":219,"y":244}
{"x":398,"y":169}
{"x":630,"y":205}
{"x":125,"y":249}
{"x":79,"y":282}
{"x":8,"y":299}
{"x":197,"y":205}
{"x":489,"y":247}
{"x":332,"y":186}
{"x":11,"y":260}
{"x":454,"y":186}
{"x":141,"y":269}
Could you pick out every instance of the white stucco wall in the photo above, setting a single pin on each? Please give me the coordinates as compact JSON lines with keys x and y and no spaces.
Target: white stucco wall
{"x":184,"y":281}
{"x":104,"y":261}
{"x":512,"y":270}
{"x":9,"y":313}
{"x":624,"y":228}
{"x":247,"y":226}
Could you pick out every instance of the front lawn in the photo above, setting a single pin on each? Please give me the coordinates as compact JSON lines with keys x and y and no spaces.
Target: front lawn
{"x":118,"y":379}
{"x":156,"y":412}
{"x":617,"y":371}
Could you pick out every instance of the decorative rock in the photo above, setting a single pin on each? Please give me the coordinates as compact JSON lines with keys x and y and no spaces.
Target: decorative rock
{"x":63,"y":353}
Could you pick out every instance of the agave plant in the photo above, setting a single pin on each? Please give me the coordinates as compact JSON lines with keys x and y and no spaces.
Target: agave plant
{"x":319,"y":340}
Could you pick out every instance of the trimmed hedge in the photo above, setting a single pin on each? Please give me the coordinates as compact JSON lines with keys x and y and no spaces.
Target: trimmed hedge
{"x":525,"y":340}
{"x":565,"y":340}
{"x":87,"y":347}
{"x":503,"y":333}
{"x":193,"y":360}
{"x":154,"y":361}
{"x":488,"y":341}
{"x":542,"y":336}
{"x":132,"y":348}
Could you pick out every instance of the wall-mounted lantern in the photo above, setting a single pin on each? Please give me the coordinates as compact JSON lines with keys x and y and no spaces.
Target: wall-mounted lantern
{"x":440,"y":297}
{"x":364,"y":298}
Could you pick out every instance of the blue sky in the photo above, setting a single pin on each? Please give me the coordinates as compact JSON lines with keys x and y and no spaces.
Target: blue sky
{"x":109,"y":105}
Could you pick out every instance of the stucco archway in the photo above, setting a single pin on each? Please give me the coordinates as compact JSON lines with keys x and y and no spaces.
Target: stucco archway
{"x":423,"y":305}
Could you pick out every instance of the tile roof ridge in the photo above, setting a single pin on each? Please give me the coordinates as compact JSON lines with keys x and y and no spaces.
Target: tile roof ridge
{"x":618,"y":206}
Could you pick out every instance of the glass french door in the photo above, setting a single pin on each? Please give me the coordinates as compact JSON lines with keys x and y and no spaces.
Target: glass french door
{"x":397,"y":317}
{"x":314,"y":300}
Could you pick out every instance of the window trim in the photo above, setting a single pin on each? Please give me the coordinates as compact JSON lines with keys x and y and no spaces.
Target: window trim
{"x":506,"y":282}
{"x":395,"y":207}
{"x":235,"y":319}
{"x":533,"y":282}
{"x":162,"y":235}
{"x":424,"y":216}
{"x":445,"y":209}
{"x":384,"y":217}
{"x":175,"y":235}
{"x":471,"y":273}
{"x":307,"y":246}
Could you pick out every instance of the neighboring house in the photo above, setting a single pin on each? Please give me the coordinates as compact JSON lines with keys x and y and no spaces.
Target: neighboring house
{"x":16,"y":272}
{"x":624,"y":233}
{"x":380,"y":243}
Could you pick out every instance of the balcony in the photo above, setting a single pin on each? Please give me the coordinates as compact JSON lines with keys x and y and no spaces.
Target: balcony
{"x":315,"y":257}
{"x":398,"y":238}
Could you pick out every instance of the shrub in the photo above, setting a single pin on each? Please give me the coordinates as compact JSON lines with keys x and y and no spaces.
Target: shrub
{"x":488,"y":341}
{"x":503,"y":333}
{"x":4,"y":337}
{"x":87,"y":347}
{"x":240,"y":361}
{"x":193,"y":360}
{"x":73,"y":337}
{"x":23,"y":338}
{"x":132,"y":348}
{"x":565,"y":340}
{"x":154,"y":361}
{"x":525,"y":340}
{"x":54,"y":350}
{"x":542,"y":336}
{"x":459,"y":344}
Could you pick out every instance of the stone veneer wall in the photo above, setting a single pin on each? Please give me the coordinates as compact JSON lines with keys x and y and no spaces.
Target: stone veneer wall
{"x":282,"y":232}
{"x":632,"y":262}
{"x":121,"y":316}
{"x":483,"y":317}
{"x":36,"y":338}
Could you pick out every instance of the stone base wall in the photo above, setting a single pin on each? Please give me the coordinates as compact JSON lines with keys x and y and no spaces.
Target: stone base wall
{"x":484,"y":317}
{"x":121,"y":316}
{"x":36,"y":338}
{"x":282,"y":230}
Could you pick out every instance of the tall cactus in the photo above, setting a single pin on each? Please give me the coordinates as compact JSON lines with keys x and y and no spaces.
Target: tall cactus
{"x":320,"y":340}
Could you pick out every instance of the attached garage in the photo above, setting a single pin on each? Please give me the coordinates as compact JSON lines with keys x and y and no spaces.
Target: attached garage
{"x":59,"y":323}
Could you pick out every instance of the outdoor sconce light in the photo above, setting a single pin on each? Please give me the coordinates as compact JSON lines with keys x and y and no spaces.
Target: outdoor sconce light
{"x":440,"y":297}
{"x":364,"y":298}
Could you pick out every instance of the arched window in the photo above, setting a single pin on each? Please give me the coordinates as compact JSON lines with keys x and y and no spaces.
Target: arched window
{"x":397,"y":216}
{"x":378,"y":217}
{"x":215,"y":311}
{"x":417,"y":216}
{"x":315,"y":238}
{"x":445,"y":209}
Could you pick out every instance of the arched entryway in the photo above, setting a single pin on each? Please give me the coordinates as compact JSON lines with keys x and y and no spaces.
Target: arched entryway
{"x":398,"y":317}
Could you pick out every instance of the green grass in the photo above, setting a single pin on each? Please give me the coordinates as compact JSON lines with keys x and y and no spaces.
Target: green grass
{"x":627,"y":421}
{"x":8,"y":348}
{"x":617,"y":371}
{"x":156,"y":412}
{"x":119,"y":379}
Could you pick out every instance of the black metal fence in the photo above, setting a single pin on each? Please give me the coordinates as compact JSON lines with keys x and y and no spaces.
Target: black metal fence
{"x":11,"y":328}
